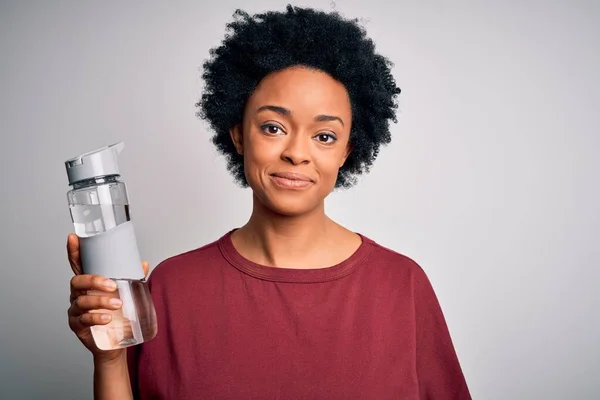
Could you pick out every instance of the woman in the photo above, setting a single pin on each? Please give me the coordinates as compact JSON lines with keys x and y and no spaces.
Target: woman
{"x":291,"y":305}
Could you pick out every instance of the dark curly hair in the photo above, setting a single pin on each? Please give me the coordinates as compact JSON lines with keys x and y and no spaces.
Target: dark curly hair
{"x":254,"y":46}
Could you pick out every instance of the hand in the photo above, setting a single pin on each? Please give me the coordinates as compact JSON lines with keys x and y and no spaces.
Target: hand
{"x":90,"y":295}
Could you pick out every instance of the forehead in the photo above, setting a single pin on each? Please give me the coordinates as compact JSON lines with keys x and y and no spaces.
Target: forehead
{"x":302,"y":90}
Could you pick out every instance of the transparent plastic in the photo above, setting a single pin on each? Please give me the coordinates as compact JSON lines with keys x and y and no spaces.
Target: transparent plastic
{"x":133,"y":324}
{"x":98,"y":205}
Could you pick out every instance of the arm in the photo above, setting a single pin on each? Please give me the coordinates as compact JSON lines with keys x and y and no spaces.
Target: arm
{"x":111,"y":379}
{"x":111,"y":376}
{"x":438,"y":369}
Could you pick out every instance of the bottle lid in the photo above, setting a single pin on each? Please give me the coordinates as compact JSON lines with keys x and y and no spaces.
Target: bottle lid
{"x":94,"y":164}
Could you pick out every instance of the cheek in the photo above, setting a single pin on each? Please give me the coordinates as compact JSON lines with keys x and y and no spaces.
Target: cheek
{"x":258,"y":155}
{"x":329,"y":166}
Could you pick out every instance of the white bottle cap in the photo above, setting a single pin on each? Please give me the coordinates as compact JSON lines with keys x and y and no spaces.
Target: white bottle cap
{"x":94,"y":164}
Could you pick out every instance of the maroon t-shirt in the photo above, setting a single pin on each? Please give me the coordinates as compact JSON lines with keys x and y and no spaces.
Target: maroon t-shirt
{"x":368,"y":328}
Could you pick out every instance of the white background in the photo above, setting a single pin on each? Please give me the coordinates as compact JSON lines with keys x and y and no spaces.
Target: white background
{"x":490,"y":183}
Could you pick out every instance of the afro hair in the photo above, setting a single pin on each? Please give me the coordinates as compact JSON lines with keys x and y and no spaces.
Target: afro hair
{"x":255,"y":46}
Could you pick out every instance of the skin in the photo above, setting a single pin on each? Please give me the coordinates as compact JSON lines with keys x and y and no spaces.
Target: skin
{"x":111,"y":377}
{"x":288,"y":228}
{"x":297,"y":121}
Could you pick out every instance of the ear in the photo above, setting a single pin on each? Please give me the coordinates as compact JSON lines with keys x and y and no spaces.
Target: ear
{"x":237,"y":138}
{"x":346,"y":154}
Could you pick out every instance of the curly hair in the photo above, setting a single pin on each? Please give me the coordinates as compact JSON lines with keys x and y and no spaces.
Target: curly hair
{"x":255,"y":46}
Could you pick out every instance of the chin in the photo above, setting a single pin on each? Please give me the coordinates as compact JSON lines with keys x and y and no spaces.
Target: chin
{"x":290,"y":208}
{"x":287,"y":203}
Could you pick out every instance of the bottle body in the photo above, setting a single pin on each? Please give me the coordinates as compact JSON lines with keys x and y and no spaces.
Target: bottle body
{"x":133,"y":323}
{"x":98,"y":205}
{"x":100,"y":213}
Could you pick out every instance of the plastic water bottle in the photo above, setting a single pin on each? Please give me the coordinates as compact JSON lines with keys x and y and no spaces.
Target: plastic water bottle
{"x":100,"y":212}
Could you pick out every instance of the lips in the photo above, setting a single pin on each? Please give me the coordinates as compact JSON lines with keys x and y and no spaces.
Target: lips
{"x":291,"y":180}
{"x":292,"y":176}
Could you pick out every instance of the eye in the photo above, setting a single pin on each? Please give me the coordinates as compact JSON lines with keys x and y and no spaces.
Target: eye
{"x":326,"y":138}
{"x":271,"y":129}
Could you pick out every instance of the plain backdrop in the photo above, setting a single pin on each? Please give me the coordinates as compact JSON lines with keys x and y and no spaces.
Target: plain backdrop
{"x":490,"y":183}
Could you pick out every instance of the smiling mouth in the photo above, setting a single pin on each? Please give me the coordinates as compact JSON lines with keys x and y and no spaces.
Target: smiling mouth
{"x":291,"y":180}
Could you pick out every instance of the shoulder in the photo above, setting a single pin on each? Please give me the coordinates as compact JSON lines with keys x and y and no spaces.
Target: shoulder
{"x":186,"y":264}
{"x":385,"y":258}
{"x":398,"y":269}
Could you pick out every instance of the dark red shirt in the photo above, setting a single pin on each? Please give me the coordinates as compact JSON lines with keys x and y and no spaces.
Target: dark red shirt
{"x":368,"y":328}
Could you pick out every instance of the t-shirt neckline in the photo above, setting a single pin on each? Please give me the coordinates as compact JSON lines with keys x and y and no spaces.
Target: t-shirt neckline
{"x":293,"y":275}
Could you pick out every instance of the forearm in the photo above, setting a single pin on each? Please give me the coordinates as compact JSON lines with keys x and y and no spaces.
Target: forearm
{"x":111,"y":379}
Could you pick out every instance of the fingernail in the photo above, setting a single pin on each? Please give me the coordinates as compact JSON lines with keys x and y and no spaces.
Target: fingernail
{"x":115,"y":302}
{"x":105,"y":317}
{"x":110,"y":284}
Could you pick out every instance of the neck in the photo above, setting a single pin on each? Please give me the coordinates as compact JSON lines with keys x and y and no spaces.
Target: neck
{"x":273,"y":239}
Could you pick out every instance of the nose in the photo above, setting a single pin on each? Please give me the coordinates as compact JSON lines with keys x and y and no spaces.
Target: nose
{"x":297,"y":150}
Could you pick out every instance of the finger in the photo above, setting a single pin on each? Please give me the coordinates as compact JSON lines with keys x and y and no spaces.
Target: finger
{"x":89,"y":319}
{"x":146,"y":268}
{"x":73,"y":253}
{"x":92,"y":282}
{"x":84,"y":304}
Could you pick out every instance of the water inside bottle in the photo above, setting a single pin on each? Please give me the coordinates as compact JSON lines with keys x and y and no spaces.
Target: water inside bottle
{"x":133,"y":324}
{"x":92,"y":219}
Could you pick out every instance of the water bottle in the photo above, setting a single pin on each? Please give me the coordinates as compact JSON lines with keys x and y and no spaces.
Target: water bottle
{"x":100,"y":212}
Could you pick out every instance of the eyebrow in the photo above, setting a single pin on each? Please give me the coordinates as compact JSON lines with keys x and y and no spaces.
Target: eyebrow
{"x":284,"y":111}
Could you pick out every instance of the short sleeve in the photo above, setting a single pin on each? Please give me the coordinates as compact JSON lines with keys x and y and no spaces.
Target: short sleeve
{"x":438,"y":369}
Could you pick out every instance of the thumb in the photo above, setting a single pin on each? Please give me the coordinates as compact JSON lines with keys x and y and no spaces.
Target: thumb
{"x":146,"y":268}
{"x":73,"y":253}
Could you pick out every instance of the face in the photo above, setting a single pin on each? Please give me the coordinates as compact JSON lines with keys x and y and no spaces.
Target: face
{"x":294,"y":139}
